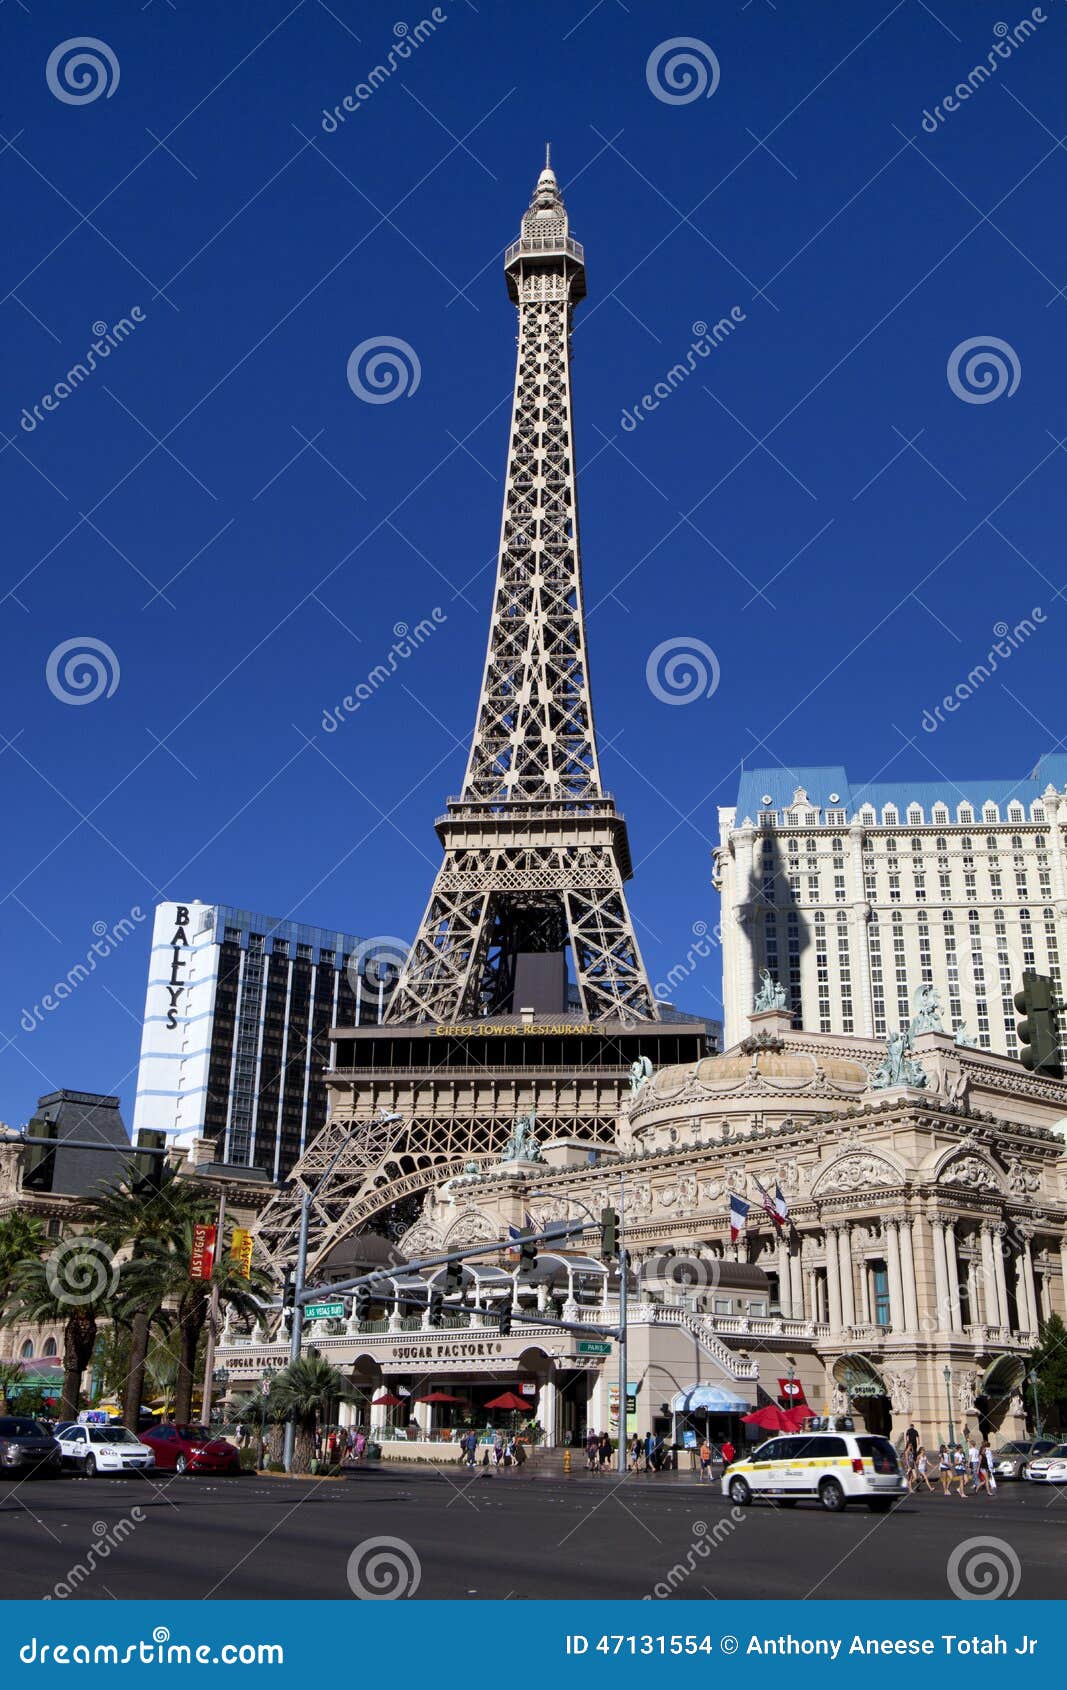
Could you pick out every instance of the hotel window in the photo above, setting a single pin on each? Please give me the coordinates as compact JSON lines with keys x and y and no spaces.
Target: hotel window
{"x":767,"y":818}
{"x":880,"y":1294}
{"x":894,"y":888}
{"x":990,"y":813}
{"x":836,"y":818}
{"x":1037,"y":812}
{"x":915,"y":815}
{"x":811,"y":818}
{"x":867,"y":814}
{"x":940,"y":815}
{"x":839,"y":888}
{"x":890,"y":815}
{"x":920,"y":888}
{"x":965,"y":813}
{"x":1016,"y":813}
{"x":1029,"y":956}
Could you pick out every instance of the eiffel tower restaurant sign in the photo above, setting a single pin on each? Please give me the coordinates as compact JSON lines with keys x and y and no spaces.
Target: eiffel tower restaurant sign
{"x":525,"y":990}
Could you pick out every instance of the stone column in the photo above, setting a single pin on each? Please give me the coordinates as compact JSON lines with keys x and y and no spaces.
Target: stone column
{"x":1063,"y":1276}
{"x":896,"y":1288}
{"x":785,"y":1283}
{"x":848,"y":1283}
{"x":548,"y":1412}
{"x":997,"y":1241}
{"x":945,"y":1322}
{"x":954,"y":1319}
{"x":907,"y":1266}
{"x":796,"y":1277}
{"x":1029,"y":1290}
{"x":811,"y":1280}
{"x":833,"y":1279}
{"x":974,"y":1294}
{"x":866,"y":1300}
{"x":990,"y":1297}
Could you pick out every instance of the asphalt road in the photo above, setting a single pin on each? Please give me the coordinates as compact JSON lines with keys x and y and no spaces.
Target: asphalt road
{"x":507,"y":1535}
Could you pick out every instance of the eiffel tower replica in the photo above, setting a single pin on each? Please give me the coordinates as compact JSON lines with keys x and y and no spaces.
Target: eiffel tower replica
{"x":486,"y":1023}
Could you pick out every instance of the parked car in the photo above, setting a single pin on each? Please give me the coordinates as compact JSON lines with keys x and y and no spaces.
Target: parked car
{"x":1009,"y":1461}
{"x":191,"y":1449}
{"x":1049,"y":1469}
{"x":832,"y":1469}
{"x":25,"y":1447}
{"x":103,"y":1449}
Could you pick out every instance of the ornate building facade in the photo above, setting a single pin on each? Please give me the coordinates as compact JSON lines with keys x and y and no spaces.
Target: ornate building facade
{"x":925,"y":1242}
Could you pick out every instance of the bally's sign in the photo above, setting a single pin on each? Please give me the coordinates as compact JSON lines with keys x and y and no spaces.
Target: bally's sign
{"x":175,"y":986}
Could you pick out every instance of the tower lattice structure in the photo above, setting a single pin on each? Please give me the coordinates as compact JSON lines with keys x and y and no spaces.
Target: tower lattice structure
{"x":536,"y":855}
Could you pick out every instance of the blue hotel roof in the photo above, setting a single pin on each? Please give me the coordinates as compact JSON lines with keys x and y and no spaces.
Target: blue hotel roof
{"x":821,"y":782}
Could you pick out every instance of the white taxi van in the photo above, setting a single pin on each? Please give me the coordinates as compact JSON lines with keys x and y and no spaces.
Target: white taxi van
{"x":832,"y":1468}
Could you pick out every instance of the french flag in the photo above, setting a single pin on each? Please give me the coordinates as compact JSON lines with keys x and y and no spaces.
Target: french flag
{"x":738,"y":1216}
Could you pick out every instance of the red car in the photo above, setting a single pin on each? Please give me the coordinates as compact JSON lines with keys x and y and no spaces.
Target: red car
{"x":191,"y":1449}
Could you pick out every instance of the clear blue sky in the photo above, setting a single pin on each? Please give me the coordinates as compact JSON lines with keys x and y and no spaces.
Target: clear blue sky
{"x":216,"y":505}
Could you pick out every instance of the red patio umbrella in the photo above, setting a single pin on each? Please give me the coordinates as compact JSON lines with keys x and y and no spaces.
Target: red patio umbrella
{"x":775,"y":1419}
{"x":387,"y":1400}
{"x":509,"y":1400}
{"x":439,"y":1396}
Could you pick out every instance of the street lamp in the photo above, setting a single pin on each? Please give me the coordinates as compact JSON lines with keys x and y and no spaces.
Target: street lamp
{"x":1032,"y":1376}
{"x":383,"y":1117}
{"x":947,"y":1376}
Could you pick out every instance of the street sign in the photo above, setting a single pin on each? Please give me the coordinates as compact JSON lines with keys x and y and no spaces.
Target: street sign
{"x":324,"y":1311}
{"x":593,"y":1347}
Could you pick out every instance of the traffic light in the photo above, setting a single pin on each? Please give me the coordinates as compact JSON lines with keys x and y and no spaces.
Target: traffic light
{"x":453,"y":1277}
{"x":609,"y":1233}
{"x":148,"y":1171}
{"x":527,"y":1255}
{"x":288,"y":1289}
{"x":1039,"y":1031}
{"x":436,"y":1314}
{"x":361,"y":1301}
{"x":505,"y":1320}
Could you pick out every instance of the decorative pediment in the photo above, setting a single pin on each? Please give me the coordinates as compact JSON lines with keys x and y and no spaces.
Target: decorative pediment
{"x":857,"y":1171}
{"x":970,"y":1170}
{"x":422,"y":1239}
{"x":471,"y":1227}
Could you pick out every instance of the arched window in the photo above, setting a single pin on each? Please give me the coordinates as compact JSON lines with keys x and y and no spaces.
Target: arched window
{"x":26,"y":1350}
{"x":49,"y":1347}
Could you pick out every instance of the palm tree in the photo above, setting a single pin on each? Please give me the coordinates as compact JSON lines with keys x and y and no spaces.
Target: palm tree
{"x":160,"y":1276}
{"x":12,"y":1381}
{"x":305,"y":1392}
{"x":21,"y":1237}
{"x":72,"y":1287}
{"x":129,"y":1218}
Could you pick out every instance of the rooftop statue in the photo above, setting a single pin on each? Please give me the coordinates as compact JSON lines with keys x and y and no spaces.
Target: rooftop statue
{"x":522,"y":1146}
{"x":927,"y":1017}
{"x":962,"y":1035}
{"x":770,"y":995}
{"x":898,"y":1067}
{"x":640,"y":1071}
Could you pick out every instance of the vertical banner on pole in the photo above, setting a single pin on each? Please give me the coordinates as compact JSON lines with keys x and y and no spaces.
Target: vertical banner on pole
{"x":202,"y":1255}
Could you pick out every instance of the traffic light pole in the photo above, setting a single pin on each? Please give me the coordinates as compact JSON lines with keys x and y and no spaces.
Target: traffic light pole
{"x":620,"y":1461}
{"x":297,"y":1323}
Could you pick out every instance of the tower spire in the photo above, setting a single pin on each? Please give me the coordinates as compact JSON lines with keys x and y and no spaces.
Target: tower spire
{"x":536,"y":854}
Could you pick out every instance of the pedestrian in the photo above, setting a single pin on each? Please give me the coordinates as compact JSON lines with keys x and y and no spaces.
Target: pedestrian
{"x":657,"y":1454}
{"x":498,"y":1450}
{"x":605,"y":1452}
{"x":959,"y":1470}
{"x":974,"y":1457}
{"x":360,"y":1444}
{"x":650,"y":1444}
{"x":470,"y":1445}
{"x":911,"y":1439}
{"x":944,"y":1467}
{"x":592,"y":1452}
{"x":518,"y":1453}
{"x":922,"y":1470}
{"x":635,"y":1453}
{"x":909,"y":1465}
{"x":705,"y":1460}
{"x":728,"y":1453}
{"x":986,"y":1471}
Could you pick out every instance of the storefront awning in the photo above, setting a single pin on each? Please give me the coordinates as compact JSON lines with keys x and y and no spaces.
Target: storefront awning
{"x":716,"y":1399}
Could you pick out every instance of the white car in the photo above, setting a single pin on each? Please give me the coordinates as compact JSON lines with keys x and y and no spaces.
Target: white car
{"x":103,"y":1449}
{"x":1048,"y":1469}
{"x":833,"y":1468}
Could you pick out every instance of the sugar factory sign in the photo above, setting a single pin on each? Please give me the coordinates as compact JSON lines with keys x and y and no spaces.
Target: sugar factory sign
{"x":175,"y":987}
{"x":454,"y":1351}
